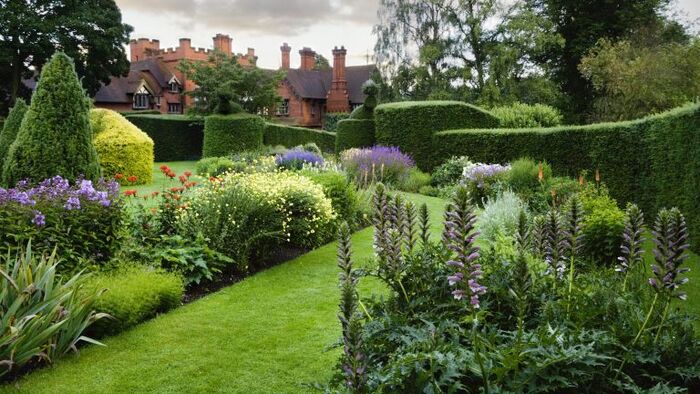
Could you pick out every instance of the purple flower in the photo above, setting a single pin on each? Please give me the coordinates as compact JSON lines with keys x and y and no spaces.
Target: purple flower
{"x":480,"y":173}
{"x":377,"y":164}
{"x":39,"y":219}
{"x":296,"y":158}
{"x":72,"y":203}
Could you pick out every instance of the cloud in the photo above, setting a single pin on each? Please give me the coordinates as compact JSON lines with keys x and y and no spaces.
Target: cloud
{"x":283,"y":17}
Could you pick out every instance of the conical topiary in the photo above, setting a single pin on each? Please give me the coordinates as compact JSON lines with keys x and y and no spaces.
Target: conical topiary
{"x":11,"y":127}
{"x":55,"y":137}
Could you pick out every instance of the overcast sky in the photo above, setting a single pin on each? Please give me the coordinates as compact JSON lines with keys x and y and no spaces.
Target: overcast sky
{"x":265,"y":24}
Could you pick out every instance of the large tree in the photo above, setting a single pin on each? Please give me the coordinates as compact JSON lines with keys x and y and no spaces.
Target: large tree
{"x":89,"y":31}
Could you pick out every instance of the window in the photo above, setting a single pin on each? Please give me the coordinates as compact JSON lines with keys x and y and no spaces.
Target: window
{"x":174,"y":85}
{"x":174,"y":109}
{"x":283,"y":108}
{"x":142,"y":99}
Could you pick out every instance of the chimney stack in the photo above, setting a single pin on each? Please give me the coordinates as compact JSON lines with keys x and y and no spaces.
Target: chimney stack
{"x":308,"y":59}
{"x":142,"y":48}
{"x":223,"y":43}
{"x":286,"y":50}
{"x":338,"y":99}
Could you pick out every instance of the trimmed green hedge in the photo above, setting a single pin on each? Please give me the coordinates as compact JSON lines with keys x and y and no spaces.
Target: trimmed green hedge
{"x":354,"y":133}
{"x":654,"y":162}
{"x":410,"y":125}
{"x":226,"y":134}
{"x":175,"y":137}
{"x":277,"y":134}
{"x":331,"y":120}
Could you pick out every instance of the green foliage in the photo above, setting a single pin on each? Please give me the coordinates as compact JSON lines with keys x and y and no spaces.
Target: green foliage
{"x":42,"y":316}
{"x":10,"y":128}
{"x":650,"y":161}
{"x":227,"y":134}
{"x":450,"y":172}
{"x":620,"y":73}
{"x":214,"y":166}
{"x":354,"y":133}
{"x":331,"y":119}
{"x":411,"y":125}
{"x":413,"y":181}
{"x":342,"y":193}
{"x":523,"y":176}
{"x":55,"y":137}
{"x":500,"y":216}
{"x":133,"y":294}
{"x":121,"y":147}
{"x":224,"y":86}
{"x":519,"y":115}
{"x":175,"y":137}
{"x":288,"y":136}
{"x":602,"y":226}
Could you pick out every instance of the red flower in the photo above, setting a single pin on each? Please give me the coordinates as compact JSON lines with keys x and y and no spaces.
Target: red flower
{"x":132,"y":179}
{"x":165,"y":168}
{"x":175,"y":189}
{"x":188,"y":173}
{"x":170,"y":174}
{"x":118,"y":176}
{"x":130,"y":193}
{"x":154,"y":194}
{"x":183,"y":178}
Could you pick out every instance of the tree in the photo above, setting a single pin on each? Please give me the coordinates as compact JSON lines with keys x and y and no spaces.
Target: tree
{"x":322,"y":63}
{"x":55,"y":137}
{"x":222,"y":81}
{"x":632,"y":78}
{"x":89,"y":31}
{"x":11,"y":127}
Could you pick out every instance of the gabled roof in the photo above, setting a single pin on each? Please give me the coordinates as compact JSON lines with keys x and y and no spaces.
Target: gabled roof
{"x":315,"y":84}
{"x":151,"y":71}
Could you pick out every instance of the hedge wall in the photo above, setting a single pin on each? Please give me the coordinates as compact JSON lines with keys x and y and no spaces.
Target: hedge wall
{"x":410,"y":125}
{"x":175,"y":137}
{"x":226,"y":134}
{"x":354,"y":133}
{"x":277,"y":134}
{"x":654,"y":161}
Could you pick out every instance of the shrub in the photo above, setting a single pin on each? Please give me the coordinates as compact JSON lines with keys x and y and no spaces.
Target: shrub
{"x":520,"y":115}
{"x":500,"y":216}
{"x":42,"y":315}
{"x":651,"y":161}
{"x":602,"y":226}
{"x":354,"y":133}
{"x":331,"y":120}
{"x":414,"y":181}
{"x":411,"y":125}
{"x":226,"y":134}
{"x":81,"y":220}
{"x":450,"y":172}
{"x":9,"y":129}
{"x":121,"y":147}
{"x":288,"y":136}
{"x":133,"y":294}
{"x":482,"y":180}
{"x":55,"y":136}
{"x":526,"y":176}
{"x":215,"y":166}
{"x":296,"y":159}
{"x":377,"y":164}
{"x":246,"y":215}
{"x":175,"y":137}
{"x":342,"y":193}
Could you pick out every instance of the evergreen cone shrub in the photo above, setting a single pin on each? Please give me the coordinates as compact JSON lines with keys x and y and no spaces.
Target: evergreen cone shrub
{"x":11,"y":127}
{"x":55,"y":137}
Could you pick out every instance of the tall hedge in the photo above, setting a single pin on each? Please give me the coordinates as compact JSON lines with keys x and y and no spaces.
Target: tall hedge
{"x":175,"y":137}
{"x":55,"y":137}
{"x":354,"y":133}
{"x":8,"y":133}
{"x":277,"y":134}
{"x":121,"y":146}
{"x":226,"y":134}
{"x":654,"y":162}
{"x":409,"y":125}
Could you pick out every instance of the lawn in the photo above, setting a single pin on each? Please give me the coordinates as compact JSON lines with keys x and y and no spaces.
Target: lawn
{"x":160,"y":181}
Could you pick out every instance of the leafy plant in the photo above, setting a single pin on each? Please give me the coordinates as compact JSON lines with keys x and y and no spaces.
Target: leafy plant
{"x":500,"y":215}
{"x":451,"y":171}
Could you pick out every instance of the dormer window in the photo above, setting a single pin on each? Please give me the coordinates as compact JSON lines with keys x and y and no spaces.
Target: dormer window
{"x":142,"y":99}
{"x":174,"y":85}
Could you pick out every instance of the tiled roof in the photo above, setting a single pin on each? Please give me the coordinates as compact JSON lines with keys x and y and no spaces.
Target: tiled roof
{"x":119,"y":88}
{"x":315,"y":84}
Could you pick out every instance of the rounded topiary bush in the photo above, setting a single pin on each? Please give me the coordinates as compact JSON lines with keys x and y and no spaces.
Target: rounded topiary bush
{"x":55,"y":137}
{"x":226,"y":134}
{"x":11,"y":127}
{"x":122,"y":147}
{"x":354,"y":133}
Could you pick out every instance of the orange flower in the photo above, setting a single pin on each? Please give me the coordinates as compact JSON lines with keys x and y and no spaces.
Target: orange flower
{"x":165,"y":168}
{"x":170,"y":174}
{"x":182,"y":178}
{"x":597,"y":175}
{"x":130,"y":193}
{"x":132,"y":179}
{"x":581,"y":181}
{"x":118,"y":176}
{"x":540,"y":173}
{"x":175,"y":189}
{"x":188,"y":173}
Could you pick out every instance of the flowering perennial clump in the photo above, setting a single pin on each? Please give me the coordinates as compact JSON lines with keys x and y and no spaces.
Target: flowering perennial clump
{"x":297,"y":158}
{"x":632,"y":240}
{"x":385,"y":164}
{"x":480,"y":173}
{"x":670,"y":251}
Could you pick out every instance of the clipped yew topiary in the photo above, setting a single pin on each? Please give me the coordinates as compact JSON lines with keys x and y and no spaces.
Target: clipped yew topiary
{"x":290,"y":136}
{"x":55,"y":137}
{"x":226,"y":134}
{"x":8,"y":134}
{"x":354,"y":133}
{"x":122,"y":147}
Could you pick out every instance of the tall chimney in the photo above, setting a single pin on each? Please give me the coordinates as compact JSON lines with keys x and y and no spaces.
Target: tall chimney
{"x":286,"y":50}
{"x":338,"y":99}
{"x":223,"y":43}
{"x":308,"y":59}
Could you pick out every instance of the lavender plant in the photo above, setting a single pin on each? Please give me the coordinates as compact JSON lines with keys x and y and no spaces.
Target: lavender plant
{"x":385,"y":164}
{"x":295,"y":159}
{"x":631,"y":253}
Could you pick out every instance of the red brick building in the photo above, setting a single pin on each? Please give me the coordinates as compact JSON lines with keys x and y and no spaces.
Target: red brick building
{"x":154,"y":83}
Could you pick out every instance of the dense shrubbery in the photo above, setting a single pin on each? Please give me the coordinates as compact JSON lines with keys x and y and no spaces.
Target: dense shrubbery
{"x":10,"y":128}
{"x":520,"y":115}
{"x":121,"y":147}
{"x":227,"y":134}
{"x":175,"y":137}
{"x":523,"y":314}
{"x":132,"y":295}
{"x":55,"y":137}
{"x":42,"y":316}
{"x":451,"y":171}
{"x":332,"y":119}
{"x":343,"y":193}
{"x":289,"y":136}
{"x":354,"y":133}
{"x":215,"y":166}
{"x":81,"y":220}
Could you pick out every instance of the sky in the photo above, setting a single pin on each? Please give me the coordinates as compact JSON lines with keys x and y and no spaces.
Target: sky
{"x":265,"y":24}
